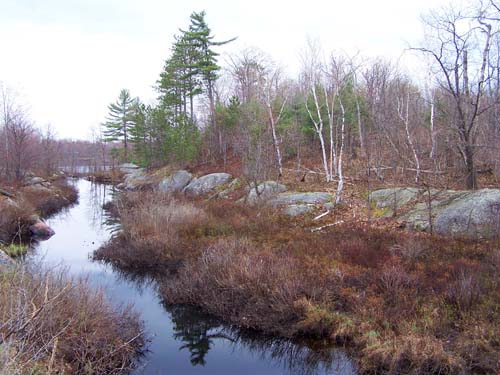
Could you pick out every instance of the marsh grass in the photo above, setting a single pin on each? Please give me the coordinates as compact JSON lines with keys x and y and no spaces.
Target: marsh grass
{"x":51,"y":323}
{"x":405,"y":302}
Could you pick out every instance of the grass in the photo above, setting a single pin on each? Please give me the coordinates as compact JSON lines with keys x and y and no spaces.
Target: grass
{"x":404,"y":302}
{"x":53,"y":324}
{"x":17,"y":215}
{"x":15,"y":250}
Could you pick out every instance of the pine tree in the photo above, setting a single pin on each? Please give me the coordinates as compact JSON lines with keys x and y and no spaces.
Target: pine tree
{"x":199,"y":37}
{"x":120,"y":120}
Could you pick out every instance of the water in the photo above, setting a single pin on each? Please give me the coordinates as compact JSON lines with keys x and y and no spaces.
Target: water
{"x":183,"y":341}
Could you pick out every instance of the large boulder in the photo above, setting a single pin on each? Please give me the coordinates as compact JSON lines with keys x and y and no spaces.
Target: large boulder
{"x":175,"y":182}
{"x":205,"y":184}
{"x":136,"y":179}
{"x":127,"y":168}
{"x":389,"y":201}
{"x":298,"y":209}
{"x":265,"y":191}
{"x":286,"y":199}
{"x":470,"y":214}
{"x":41,"y":231}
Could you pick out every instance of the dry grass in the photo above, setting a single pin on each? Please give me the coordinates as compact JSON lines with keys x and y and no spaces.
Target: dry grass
{"x":151,"y":236}
{"x":49,"y":201}
{"x":409,"y":303}
{"x":50,"y":323}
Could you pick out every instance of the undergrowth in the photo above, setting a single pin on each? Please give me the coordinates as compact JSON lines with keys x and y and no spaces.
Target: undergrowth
{"x":406,"y":302}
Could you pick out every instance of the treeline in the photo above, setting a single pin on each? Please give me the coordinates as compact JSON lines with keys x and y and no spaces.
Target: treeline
{"x":26,"y":147}
{"x":340,"y":109}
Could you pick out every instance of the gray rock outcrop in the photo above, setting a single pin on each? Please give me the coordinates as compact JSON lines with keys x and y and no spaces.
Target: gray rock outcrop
{"x":389,"y":201}
{"x":285,"y":199}
{"x":297,"y":209}
{"x":205,"y":184}
{"x":264,"y":191}
{"x":470,"y":214}
{"x":175,"y":182}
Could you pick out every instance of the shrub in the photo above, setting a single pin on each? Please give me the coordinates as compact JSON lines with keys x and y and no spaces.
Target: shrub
{"x":252,"y":287}
{"x":57,"y":324}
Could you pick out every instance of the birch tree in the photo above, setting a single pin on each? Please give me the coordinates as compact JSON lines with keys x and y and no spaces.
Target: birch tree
{"x":459,"y":42}
{"x":312,"y":81}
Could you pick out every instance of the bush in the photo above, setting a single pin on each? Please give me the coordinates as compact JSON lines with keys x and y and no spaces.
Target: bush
{"x":252,"y":287}
{"x":55,"y":324}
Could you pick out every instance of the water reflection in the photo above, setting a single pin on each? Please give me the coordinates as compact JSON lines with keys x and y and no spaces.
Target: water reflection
{"x":198,"y":332}
{"x":183,"y":339}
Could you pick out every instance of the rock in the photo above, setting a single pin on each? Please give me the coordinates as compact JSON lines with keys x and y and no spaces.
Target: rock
{"x":329,"y":206}
{"x":175,"y":182}
{"x":389,"y":201}
{"x":297,"y":209}
{"x":136,"y":179}
{"x":41,"y":230}
{"x":266,"y":190}
{"x":470,"y":214}
{"x":207,"y":183}
{"x":474,"y":215}
{"x":5,"y":260}
{"x":128,"y":168}
{"x":34,"y":181}
{"x":234,"y":185}
{"x":283,"y":199}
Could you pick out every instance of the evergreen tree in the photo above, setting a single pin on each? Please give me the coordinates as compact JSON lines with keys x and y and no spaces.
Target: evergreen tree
{"x":199,"y":38}
{"x":120,"y":120}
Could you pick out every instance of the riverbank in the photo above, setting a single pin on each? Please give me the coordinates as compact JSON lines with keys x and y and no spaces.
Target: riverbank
{"x":404,"y":302}
{"x":53,"y":322}
{"x":24,"y":206}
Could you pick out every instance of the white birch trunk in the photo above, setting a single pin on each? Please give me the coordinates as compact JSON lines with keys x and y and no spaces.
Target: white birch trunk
{"x":318,"y":125}
{"x":340,"y":186}
{"x":405,"y":117}
{"x":273,"y":124}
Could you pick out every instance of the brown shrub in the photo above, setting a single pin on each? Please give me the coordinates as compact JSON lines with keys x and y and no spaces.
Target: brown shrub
{"x":48,"y":201}
{"x":464,"y":292}
{"x":251,"y":287}
{"x":53,"y":323}
{"x":15,"y":218}
{"x":151,"y":238}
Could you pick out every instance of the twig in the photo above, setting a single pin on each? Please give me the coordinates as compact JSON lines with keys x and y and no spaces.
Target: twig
{"x":326,"y":226}
{"x":321,"y":215}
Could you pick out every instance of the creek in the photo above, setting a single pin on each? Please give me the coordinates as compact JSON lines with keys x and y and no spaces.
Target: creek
{"x":182,"y":340}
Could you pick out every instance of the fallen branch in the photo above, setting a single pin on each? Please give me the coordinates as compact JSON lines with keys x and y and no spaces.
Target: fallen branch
{"x":327,"y":226}
{"x":321,"y":215}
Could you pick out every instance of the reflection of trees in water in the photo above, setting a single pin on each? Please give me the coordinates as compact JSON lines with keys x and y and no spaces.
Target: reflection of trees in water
{"x":99,"y":194}
{"x":196,"y":330}
{"x":199,"y":331}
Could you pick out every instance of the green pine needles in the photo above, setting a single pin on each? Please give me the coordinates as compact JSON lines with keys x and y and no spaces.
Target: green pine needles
{"x":169,"y":131}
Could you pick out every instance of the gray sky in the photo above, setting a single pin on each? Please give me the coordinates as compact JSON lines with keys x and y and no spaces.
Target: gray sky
{"x":68,"y":59}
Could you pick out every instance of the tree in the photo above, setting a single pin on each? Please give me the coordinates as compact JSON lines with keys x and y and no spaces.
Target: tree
{"x":120,"y":120}
{"x":201,"y":41}
{"x":459,"y":42}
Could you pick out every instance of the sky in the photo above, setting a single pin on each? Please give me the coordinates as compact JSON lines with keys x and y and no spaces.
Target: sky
{"x":68,"y":59}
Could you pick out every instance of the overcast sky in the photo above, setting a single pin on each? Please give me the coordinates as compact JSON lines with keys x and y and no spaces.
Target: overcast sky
{"x":68,"y":59}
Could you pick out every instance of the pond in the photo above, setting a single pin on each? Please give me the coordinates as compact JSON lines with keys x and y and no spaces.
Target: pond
{"x":182,"y":339}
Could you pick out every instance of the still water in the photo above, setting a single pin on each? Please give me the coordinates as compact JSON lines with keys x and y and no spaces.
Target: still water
{"x":182,"y":340}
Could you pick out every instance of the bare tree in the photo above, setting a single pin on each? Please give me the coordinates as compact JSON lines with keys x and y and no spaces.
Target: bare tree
{"x":459,"y":41}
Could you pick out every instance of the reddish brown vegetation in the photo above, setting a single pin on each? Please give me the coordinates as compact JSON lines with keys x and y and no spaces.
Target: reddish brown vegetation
{"x":54,"y":324}
{"x":409,"y":303}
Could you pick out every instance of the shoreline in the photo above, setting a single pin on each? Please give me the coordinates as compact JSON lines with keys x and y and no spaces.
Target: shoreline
{"x":391,"y":296}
